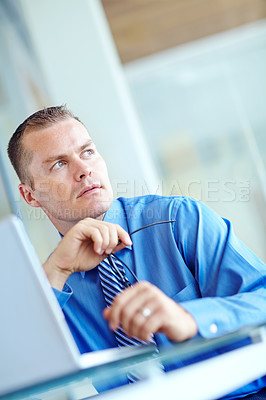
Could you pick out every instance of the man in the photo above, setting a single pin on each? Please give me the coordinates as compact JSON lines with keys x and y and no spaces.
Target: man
{"x":194,"y":276}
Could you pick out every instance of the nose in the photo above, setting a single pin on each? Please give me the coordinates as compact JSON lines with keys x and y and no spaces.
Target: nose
{"x":82,"y":169}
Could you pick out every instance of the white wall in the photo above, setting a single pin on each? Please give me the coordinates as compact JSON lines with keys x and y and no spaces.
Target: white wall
{"x":77,"y":64}
{"x":81,"y":67}
{"x":202,"y":106}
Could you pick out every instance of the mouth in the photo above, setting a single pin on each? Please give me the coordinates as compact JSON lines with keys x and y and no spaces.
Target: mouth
{"x":88,"y":190}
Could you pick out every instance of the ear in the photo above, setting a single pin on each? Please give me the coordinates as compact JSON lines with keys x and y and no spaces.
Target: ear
{"x":28,"y":195}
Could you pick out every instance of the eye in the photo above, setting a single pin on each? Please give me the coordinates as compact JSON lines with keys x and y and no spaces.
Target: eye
{"x":88,"y":153}
{"x":58,"y":165}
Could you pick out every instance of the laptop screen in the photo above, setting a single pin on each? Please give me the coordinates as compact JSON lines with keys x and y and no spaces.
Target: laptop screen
{"x":35,"y":342}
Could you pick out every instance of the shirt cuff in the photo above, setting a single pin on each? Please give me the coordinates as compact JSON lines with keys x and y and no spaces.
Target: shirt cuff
{"x":64,"y":295}
{"x":209,"y":324}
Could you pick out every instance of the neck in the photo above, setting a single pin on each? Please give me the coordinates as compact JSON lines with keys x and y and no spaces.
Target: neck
{"x":64,"y":226}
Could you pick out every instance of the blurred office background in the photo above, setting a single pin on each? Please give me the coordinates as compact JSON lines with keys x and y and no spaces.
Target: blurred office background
{"x":172,"y":91}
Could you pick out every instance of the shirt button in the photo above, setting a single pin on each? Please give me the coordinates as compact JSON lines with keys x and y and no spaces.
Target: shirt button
{"x":213,"y":328}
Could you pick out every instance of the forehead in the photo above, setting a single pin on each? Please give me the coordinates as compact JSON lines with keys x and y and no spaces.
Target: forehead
{"x":61,"y":137}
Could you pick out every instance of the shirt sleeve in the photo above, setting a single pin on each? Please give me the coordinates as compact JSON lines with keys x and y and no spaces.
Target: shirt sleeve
{"x":64,"y":295}
{"x":231,"y":279}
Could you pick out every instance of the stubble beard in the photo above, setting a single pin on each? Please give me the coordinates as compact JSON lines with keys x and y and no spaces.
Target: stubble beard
{"x":72,"y":215}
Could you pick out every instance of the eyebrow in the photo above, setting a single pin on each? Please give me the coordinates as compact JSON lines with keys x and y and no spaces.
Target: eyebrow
{"x":60,"y":156}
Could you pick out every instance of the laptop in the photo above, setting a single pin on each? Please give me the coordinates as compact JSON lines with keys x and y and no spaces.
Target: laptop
{"x":36,"y":344}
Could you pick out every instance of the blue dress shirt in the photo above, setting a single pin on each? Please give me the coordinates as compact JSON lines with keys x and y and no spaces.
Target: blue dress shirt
{"x":196,"y":260}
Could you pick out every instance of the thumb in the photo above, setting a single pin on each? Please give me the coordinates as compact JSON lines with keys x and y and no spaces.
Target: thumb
{"x":106,"y":313}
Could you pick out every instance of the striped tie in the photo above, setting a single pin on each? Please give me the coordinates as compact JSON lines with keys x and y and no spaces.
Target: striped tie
{"x":114,"y":281}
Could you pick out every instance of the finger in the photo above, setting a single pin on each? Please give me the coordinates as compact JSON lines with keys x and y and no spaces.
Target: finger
{"x":97,"y":239}
{"x":149,"y":326}
{"x":110,"y":235}
{"x":139,"y":320}
{"x":129,"y":315}
{"x":113,"y":235}
{"x":137,"y":328}
{"x":88,"y":229}
{"x":120,"y":301}
{"x":99,"y":233}
{"x":113,"y":238}
{"x":100,"y":239}
{"x":105,"y":232}
{"x":123,"y":236}
{"x":128,"y":302}
{"x":106,"y":312}
{"x":120,"y":246}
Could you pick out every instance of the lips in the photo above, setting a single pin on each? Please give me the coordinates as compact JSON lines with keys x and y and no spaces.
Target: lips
{"x":88,"y":189}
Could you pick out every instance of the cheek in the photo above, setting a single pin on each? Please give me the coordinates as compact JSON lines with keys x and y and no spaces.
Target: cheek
{"x":101,"y":169}
{"x":43,"y":190}
{"x":62,"y":191}
{"x":52,"y":190}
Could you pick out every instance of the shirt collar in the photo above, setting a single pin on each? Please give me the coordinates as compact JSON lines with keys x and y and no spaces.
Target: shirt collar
{"x":117,"y":215}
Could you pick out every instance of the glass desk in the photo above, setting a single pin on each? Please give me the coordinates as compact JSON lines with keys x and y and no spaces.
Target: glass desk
{"x":242,"y":360}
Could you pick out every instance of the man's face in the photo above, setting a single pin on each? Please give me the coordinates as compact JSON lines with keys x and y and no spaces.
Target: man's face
{"x":70,"y":177}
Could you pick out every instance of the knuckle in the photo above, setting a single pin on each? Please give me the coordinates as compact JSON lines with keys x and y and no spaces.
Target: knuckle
{"x":123,"y":315}
{"x":95,"y":233}
{"x":112,"y":226}
{"x":161,"y":309}
{"x":86,"y":222}
{"x":118,"y":300}
{"x":144,"y":285}
{"x":146,"y":330}
{"x":143,"y":332}
{"x":148,"y":327}
{"x":113,"y":235}
{"x":104,"y":228}
{"x":109,"y":226}
{"x":80,"y":224}
{"x":136,"y":319}
{"x":87,"y":219}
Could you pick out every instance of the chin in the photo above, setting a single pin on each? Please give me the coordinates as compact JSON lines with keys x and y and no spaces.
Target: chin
{"x":101,"y":209}
{"x":96,"y":211}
